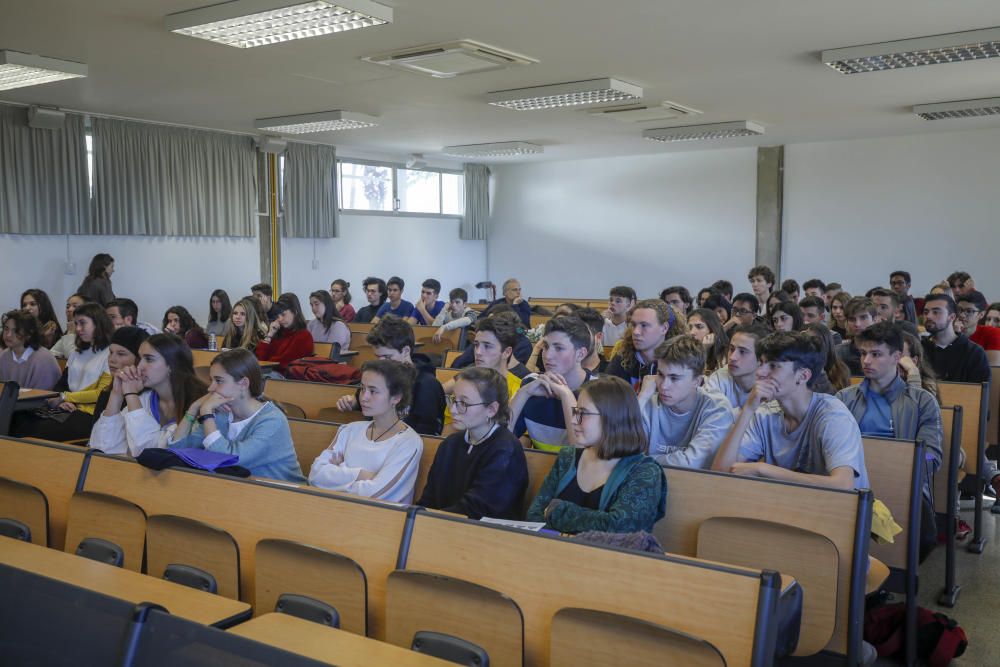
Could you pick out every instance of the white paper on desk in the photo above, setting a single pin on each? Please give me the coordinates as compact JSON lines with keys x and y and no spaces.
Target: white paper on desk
{"x":533,"y":526}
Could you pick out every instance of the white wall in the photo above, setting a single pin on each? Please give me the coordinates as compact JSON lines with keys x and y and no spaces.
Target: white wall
{"x":155,"y":272}
{"x":412,"y":248}
{"x":928,"y":204}
{"x":578,"y":228}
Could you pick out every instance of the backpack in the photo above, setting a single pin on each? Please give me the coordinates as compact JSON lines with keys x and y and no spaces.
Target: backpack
{"x":939,"y":638}
{"x":321,"y":369}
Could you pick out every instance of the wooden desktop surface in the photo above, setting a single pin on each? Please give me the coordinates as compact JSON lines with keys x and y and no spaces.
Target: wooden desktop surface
{"x":124,"y":584}
{"x":327,"y":644}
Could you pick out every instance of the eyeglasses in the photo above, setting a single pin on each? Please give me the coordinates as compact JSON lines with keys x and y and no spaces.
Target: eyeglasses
{"x":579,"y":413}
{"x":741,"y":311}
{"x":968,"y":311}
{"x":461,"y":407}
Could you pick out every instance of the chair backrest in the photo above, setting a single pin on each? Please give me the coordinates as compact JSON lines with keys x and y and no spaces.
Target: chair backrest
{"x":310,"y":439}
{"x":539,"y":320}
{"x":96,"y":515}
{"x":310,"y":396}
{"x":203,"y":358}
{"x":592,"y":637}
{"x":8,"y":401}
{"x":333,"y":415}
{"x":974,"y":399}
{"x":284,"y":567}
{"x":322,"y":349}
{"x":539,"y":465}
{"x":178,"y":540}
{"x":766,"y":545}
{"x":445,"y":374}
{"x":357,"y":327}
{"x":291,"y":410}
{"x":52,"y":468}
{"x":25,"y":504}
{"x":543,"y":574}
{"x":895,"y":472}
{"x":952,"y":425}
{"x":450,"y":356}
{"x":993,"y":420}
{"x":421,"y":601}
{"x":250,"y":510}
{"x":424,"y":337}
{"x":431,"y":444}
{"x":365,"y":352}
{"x":843,"y":517}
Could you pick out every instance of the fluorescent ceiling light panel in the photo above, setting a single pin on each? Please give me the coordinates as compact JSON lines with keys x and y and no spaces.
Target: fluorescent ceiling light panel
{"x":309,"y":123}
{"x":951,"y":48}
{"x":248,"y":23}
{"x":961,"y":109}
{"x":593,"y":91}
{"x":501,"y":149}
{"x":742,"y":128}
{"x":18,"y":70}
{"x":450,"y":59}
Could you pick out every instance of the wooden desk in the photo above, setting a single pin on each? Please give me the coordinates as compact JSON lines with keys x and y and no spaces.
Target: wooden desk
{"x":326,"y":644}
{"x":205,"y":357}
{"x":179,"y":600}
{"x":29,"y":399}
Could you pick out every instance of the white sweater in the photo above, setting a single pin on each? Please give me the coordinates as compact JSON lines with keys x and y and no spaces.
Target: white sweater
{"x":395,"y":462}
{"x":130,"y":432}
{"x":85,"y":368}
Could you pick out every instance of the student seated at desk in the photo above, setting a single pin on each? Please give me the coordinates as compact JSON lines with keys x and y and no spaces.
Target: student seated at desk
{"x":684,"y":422}
{"x":65,"y":345}
{"x":455,"y":315}
{"x":340,"y":292}
{"x":393,"y":338}
{"x":606,"y":482}
{"x":480,"y":470}
{"x":377,"y":458}
{"x":73,"y":413}
{"x":219,"y":311}
{"x":231,"y":419}
{"x":178,"y":321}
{"x":245,"y":327}
{"x":156,"y":394}
{"x":541,"y":409}
{"x":287,"y":338}
{"x":37,"y":302}
{"x":787,"y":431}
{"x":705,"y":325}
{"x":522,"y":349}
{"x":328,"y":326}
{"x":25,"y":361}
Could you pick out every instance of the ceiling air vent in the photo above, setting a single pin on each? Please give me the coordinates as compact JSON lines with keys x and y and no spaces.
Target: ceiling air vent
{"x":643,"y":114}
{"x":450,"y":59}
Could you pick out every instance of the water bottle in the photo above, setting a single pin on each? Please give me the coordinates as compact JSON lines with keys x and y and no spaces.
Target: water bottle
{"x":212,"y":345}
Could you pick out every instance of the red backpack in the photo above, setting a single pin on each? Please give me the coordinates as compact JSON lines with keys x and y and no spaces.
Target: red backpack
{"x":321,"y":369}
{"x":939,"y":638}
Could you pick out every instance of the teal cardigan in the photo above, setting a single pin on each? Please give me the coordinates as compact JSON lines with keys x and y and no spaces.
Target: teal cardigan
{"x":633,"y":498}
{"x":264,"y":445}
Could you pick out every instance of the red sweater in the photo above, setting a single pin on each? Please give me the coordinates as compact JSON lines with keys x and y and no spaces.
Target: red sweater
{"x":285,"y":348}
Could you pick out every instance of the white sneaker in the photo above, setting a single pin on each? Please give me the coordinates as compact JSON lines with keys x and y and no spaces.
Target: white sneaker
{"x":868,"y":654}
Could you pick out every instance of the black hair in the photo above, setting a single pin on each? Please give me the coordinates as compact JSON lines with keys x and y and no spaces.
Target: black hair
{"x":103,"y":327}
{"x":790,"y":286}
{"x":813,"y":302}
{"x":792,"y":310}
{"x":803,"y":350}
{"x":186,"y":319}
{"x":624,"y":291}
{"x":264,"y":289}
{"x":26,"y":326}
{"x":185,"y":386}
{"x":99,"y":265}
{"x":344,"y":285}
{"x":298,"y":319}
{"x":681,"y":291}
{"x":905,"y":275}
{"x":399,"y":379}
{"x":724,"y":287}
{"x":949,"y":302}
{"x":370,"y":280}
{"x":393,"y":332}
{"x":976,"y":298}
{"x":717,"y":301}
{"x":749,"y":298}
{"x":397,"y":281}
{"x":882,"y":332}
{"x":126,"y":308}
{"x":431,"y":283}
{"x":574,"y":328}
{"x":503,"y":328}
{"x":46,"y":313}
{"x":814,"y":283}
{"x":330,"y":314}
{"x":593,"y":319}
{"x":225,"y":311}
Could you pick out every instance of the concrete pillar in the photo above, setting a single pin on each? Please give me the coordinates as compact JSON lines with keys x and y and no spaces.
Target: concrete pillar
{"x":770,"y":198}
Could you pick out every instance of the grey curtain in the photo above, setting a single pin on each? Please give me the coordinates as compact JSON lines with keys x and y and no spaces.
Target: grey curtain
{"x":310,"y":192}
{"x":157,"y":180}
{"x":43,"y":176}
{"x":477,"y":203}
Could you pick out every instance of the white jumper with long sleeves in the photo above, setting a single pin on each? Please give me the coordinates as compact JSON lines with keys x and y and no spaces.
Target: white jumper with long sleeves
{"x":395,"y":462}
{"x":130,"y":432}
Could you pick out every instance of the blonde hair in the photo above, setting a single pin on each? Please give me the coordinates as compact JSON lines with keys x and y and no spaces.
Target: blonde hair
{"x":253,"y":331}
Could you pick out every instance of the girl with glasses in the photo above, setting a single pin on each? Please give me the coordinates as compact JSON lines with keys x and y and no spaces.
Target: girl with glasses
{"x":480,"y":470}
{"x":607,"y":482}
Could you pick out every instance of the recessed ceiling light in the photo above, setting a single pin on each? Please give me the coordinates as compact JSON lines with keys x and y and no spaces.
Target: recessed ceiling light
{"x":961,"y":109}
{"x":501,"y":149}
{"x":936,"y":49}
{"x":18,"y":70}
{"x":450,"y":59}
{"x":248,"y":23}
{"x":593,"y":91}
{"x":324,"y":121}
{"x":742,"y":128}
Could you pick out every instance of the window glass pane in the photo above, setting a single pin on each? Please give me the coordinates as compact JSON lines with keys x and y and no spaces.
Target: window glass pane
{"x":365,"y":187}
{"x":453,"y":194}
{"x":89,"y":138}
{"x":419,"y":191}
